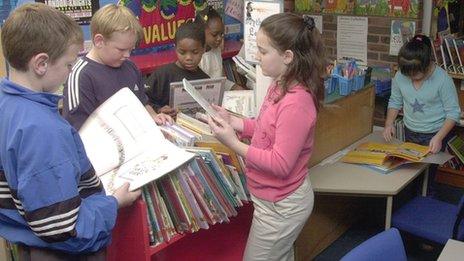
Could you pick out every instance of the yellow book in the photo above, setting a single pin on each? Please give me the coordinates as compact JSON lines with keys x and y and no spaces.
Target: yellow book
{"x":407,"y":150}
{"x":221,"y":148}
{"x":365,"y":157}
{"x":386,"y":156}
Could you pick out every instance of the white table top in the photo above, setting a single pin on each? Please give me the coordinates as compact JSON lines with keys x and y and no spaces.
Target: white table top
{"x":347,"y":178}
{"x":453,"y":251}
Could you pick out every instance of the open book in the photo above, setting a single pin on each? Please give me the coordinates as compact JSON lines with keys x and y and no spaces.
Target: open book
{"x":196,"y":95}
{"x":124,"y":144}
{"x":241,"y":102}
{"x":388,"y":156}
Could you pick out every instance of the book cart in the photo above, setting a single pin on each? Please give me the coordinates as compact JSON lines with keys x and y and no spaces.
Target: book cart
{"x":226,"y":241}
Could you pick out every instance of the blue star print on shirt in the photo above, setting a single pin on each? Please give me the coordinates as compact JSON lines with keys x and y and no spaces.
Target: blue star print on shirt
{"x":416,"y":106}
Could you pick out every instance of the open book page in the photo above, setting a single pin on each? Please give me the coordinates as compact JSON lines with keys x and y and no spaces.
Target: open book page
{"x":210,"y":89}
{"x":124,"y":144}
{"x":196,"y":95}
{"x":241,"y":102}
{"x":392,"y":155}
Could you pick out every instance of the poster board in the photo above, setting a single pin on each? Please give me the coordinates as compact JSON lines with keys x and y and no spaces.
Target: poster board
{"x":255,"y":12}
{"x":400,"y":32}
{"x":81,"y":11}
{"x":390,"y":8}
{"x":352,"y":38}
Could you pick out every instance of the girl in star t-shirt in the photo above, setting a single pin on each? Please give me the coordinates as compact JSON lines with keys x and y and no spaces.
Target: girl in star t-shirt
{"x":428,"y":97}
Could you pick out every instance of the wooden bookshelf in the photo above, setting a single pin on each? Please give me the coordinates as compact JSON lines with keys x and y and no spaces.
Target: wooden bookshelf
{"x":457,"y":76}
{"x":450,"y":177}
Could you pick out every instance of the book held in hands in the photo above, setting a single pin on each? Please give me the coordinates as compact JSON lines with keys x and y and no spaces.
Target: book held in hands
{"x":124,"y":144}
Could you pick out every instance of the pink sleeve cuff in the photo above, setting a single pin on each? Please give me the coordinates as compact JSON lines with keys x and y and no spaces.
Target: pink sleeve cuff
{"x":248,"y":128}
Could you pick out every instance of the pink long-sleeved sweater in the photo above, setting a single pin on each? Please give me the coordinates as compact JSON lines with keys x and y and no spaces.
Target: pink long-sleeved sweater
{"x":282,"y":140}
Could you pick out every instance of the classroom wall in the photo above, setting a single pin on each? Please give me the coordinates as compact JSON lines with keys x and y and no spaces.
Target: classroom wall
{"x":378,"y":38}
{"x":85,"y":28}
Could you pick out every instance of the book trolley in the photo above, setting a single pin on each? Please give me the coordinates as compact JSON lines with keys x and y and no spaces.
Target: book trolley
{"x":225,"y":241}
{"x":167,"y":214}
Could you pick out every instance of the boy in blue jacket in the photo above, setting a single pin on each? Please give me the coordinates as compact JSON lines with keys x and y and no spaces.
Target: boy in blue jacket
{"x":52,"y":204}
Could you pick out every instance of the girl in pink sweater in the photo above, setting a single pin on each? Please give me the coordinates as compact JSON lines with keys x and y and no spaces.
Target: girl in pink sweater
{"x":290,"y":51}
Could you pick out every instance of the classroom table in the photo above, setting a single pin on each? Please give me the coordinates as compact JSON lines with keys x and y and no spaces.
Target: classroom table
{"x":453,"y":251}
{"x":334,"y":177}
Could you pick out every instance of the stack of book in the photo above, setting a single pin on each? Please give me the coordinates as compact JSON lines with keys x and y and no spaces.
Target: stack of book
{"x":448,"y":50}
{"x":204,"y":192}
{"x":192,"y":197}
{"x":188,"y":182}
{"x":386,"y":157}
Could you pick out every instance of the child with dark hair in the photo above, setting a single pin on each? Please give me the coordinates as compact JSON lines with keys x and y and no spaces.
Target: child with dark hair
{"x":190,"y":46}
{"x":211,"y":62}
{"x":428,"y":97}
{"x":290,"y":51}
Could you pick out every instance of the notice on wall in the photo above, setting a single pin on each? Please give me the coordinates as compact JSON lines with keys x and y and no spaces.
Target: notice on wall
{"x":234,"y":8}
{"x":81,"y":11}
{"x":255,"y":12}
{"x":352,"y":38}
{"x":401,"y":32}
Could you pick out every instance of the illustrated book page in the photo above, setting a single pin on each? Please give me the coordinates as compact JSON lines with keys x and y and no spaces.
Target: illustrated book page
{"x":124,"y":144}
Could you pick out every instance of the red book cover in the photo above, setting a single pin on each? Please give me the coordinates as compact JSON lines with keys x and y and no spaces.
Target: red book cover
{"x":156,"y":207}
{"x":183,"y":224}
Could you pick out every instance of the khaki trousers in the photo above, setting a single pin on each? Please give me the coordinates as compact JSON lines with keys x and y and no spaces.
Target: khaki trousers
{"x":276,"y":225}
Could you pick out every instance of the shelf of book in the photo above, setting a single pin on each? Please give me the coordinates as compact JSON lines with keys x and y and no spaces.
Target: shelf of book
{"x":459,"y":76}
{"x":221,"y":241}
{"x":131,"y":235}
{"x":450,"y":177}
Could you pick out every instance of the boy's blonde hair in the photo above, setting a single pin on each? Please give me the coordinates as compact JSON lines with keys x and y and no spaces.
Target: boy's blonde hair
{"x":115,"y":18}
{"x":37,"y":28}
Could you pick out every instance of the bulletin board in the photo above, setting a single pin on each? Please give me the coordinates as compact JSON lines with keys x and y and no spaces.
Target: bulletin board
{"x":160,"y":20}
{"x":255,"y":12}
{"x":80,"y":11}
{"x":391,"y":8}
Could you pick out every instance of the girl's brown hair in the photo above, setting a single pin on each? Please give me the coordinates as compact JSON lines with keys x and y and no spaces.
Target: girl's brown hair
{"x":298,"y":34}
